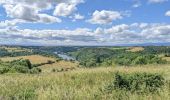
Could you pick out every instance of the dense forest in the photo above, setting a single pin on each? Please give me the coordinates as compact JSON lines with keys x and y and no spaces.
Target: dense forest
{"x":91,"y":57}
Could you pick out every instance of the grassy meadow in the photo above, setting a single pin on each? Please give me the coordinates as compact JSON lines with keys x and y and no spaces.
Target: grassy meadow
{"x":79,"y":84}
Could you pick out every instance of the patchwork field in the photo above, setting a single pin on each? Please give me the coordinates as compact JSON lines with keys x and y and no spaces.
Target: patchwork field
{"x":35,"y":59}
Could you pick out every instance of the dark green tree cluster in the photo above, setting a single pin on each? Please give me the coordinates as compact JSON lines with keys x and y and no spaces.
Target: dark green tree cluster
{"x":156,"y":50}
{"x":138,"y":59}
{"x":91,"y":57}
{"x":18,"y":66}
{"x":5,"y":53}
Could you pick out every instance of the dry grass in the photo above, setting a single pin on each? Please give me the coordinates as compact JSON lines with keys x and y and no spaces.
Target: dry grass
{"x":80,"y":84}
{"x":166,"y":58}
{"x":35,"y":59}
{"x":58,"y":65}
{"x":136,"y":49}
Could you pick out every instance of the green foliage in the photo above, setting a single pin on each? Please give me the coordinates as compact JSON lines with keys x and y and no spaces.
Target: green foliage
{"x":138,"y":59}
{"x":19,"y":66}
{"x":3,"y":69}
{"x":156,"y":50}
{"x":35,"y":70}
{"x":137,"y":82}
{"x":5,"y":53}
{"x":92,"y":57}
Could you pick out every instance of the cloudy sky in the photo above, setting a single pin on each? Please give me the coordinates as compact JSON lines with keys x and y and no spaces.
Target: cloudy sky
{"x":84,"y":22}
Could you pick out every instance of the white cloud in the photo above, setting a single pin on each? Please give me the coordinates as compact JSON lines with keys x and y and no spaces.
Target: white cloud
{"x":29,"y":14}
{"x":117,"y":34}
{"x":117,"y":28}
{"x":8,"y":23}
{"x":23,"y":12}
{"x":99,"y":30}
{"x":167,"y":13}
{"x":64,"y":9}
{"x":41,"y":36}
{"x":126,"y":13}
{"x":139,"y":33}
{"x":44,"y":18}
{"x":157,"y":1}
{"x":104,"y":17}
{"x":78,"y":17}
{"x":32,"y":10}
{"x":41,"y":3}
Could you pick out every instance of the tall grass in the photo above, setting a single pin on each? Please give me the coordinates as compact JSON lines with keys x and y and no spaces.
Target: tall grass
{"x":81,"y":84}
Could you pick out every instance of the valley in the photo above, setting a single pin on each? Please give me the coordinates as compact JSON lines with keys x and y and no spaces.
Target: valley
{"x":88,"y":77}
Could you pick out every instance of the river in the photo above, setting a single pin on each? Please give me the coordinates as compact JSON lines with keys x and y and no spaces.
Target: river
{"x":64,"y":56}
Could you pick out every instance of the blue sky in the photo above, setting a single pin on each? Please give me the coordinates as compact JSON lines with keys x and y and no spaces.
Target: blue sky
{"x":84,"y":22}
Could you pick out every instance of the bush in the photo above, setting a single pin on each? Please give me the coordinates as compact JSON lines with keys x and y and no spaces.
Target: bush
{"x":53,"y":70}
{"x":3,"y":69}
{"x":50,"y":62}
{"x":19,"y":68}
{"x":35,"y":70}
{"x":138,"y":82}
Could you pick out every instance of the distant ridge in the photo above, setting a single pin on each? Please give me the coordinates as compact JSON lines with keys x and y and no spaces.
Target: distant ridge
{"x":138,"y":44}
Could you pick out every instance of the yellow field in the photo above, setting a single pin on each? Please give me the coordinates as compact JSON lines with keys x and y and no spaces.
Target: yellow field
{"x":58,"y":65}
{"x":136,"y":49}
{"x":35,"y":59}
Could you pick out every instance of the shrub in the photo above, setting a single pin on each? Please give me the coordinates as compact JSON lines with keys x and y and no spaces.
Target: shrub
{"x":28,"y":63}
{"x":3,"y":69}
{"x":35,"y":70}
{"x":53,"y":70}
{"x":50,"y":62}
{"x":138,"y":82}
{"x":19,"y":68}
